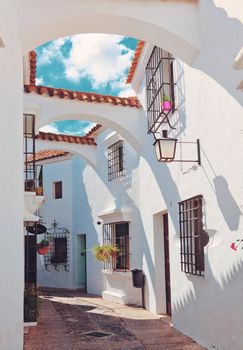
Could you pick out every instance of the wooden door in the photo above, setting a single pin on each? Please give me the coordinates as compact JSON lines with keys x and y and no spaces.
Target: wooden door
{"x":167,"y":264}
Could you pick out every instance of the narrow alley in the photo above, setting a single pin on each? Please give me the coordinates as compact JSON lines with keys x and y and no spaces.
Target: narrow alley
{"x":70,"y":320}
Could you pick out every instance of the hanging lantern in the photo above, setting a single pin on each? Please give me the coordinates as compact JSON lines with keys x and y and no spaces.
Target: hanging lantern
{"x":165,"y":148}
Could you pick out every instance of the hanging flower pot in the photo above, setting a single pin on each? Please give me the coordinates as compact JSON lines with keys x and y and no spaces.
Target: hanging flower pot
{"x":43,"y":247}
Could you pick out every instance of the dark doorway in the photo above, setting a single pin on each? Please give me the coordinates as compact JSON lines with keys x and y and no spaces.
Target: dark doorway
{"x":167,"y":264}
{"x":30,"y":294}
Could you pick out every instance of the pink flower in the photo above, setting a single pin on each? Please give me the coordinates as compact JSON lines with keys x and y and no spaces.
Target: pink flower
{"x":232,"y":246}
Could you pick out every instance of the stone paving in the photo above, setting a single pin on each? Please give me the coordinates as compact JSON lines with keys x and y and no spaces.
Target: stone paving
{"x":67,"y":318}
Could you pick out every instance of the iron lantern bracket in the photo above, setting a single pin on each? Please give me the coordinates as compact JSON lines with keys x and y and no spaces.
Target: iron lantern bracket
{"x":198,"y":160}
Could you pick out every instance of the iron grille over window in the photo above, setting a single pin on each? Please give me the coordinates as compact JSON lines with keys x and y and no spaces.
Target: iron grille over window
{"x":159,"y":88}
{"x":59,"y":247}
{"x":117,"y":235}
{"x":115,"y":160}
{"x":29,"y":152}
{"x":191,"y":236}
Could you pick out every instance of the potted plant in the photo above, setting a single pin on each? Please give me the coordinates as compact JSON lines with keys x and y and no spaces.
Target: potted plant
{"x":43,"y":247}
{"x":39,"y":191}
{"x":166,"y":103}
{"x":105,"y":252}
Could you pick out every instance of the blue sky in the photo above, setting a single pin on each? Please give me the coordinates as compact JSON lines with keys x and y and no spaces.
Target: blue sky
{"x":88,"y":62}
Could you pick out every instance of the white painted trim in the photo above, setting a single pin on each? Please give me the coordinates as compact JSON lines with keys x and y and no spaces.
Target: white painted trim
{"x":117,"y":274}
{"x":30,"y":324}
{"x":140,"y":69}
{"x":115,"y":215}
{"x":112,"y":138}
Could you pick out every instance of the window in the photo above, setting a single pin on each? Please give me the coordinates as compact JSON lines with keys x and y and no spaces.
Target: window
{"x":117,"y":234}
{"x":159,"y":89}
{"x":58,"y":190}
{"x":192,"y":236}
{"x":59,"y":251}
{"x":115,"y":160}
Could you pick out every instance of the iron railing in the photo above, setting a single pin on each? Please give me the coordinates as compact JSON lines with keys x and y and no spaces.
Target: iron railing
{"x":159,"y":87}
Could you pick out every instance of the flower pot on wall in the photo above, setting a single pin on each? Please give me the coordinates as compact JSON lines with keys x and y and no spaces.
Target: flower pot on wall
{"x":42,"y":250}
{"x":166,"y":105}
{"x":43,"y":247}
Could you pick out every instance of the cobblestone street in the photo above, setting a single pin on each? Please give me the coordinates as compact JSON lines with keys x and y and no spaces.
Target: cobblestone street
{"x":67,"y":320}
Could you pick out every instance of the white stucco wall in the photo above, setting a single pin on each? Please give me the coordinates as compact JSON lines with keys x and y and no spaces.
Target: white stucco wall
{"x":61,"y":211}
{"x":11,"y":182}
{"x":200,"y":305}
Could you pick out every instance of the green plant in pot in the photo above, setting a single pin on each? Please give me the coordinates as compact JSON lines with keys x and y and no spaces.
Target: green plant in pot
{"x":105,"y":252}
{"x":166,"y":103}
{"x":43,"y":247}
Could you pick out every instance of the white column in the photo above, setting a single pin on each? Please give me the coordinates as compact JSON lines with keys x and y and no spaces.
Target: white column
{"x":11,"y":182}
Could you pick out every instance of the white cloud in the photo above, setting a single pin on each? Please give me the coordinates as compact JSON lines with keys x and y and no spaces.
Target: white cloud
{"x":127,"y":92}
{"x":50,"y":51}
{"x":98,"y":57}
{"x":50,"y":128}
{"x":39,"y":81}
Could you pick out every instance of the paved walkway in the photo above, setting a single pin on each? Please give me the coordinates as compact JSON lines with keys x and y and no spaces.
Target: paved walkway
{"x":67,"y":318}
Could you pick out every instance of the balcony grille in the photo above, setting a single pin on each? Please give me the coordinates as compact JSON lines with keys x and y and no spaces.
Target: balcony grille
{"x":159,"y":83}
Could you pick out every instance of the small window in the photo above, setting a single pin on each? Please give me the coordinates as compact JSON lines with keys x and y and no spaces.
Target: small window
{"x":117,"y":234}
{"x":115,"y":160}
{"x":58,"y":190}
{"x":192,"y":236}
{"x":59,"y":251}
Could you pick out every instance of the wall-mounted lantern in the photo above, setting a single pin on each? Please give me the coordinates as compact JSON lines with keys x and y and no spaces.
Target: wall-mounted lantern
{"x":165,"y":149}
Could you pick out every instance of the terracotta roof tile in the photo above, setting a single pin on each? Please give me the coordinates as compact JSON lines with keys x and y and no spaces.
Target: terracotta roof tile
{"x":83,"y":96}
{"x":83,"y":140}
{"x":93,"y":131}
{"x":47,"y":154}
{"x":32,"y":58}
{"x":136,"y":57}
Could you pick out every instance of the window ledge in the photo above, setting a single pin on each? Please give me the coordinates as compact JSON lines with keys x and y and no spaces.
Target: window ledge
{"x":114,"y":215}
{"x":127,"y":274}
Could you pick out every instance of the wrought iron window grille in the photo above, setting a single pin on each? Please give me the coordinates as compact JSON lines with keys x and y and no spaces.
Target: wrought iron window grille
{"x":160,"y":89}
{"x":59,"y":252}
{"x":116,"y":160}
{"x":32,"y":171}
{"x":117,"y":234}
{"x":192,"y":236}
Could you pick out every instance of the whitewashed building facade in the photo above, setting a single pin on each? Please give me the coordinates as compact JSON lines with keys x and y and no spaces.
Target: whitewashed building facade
{"x":207,"y":37}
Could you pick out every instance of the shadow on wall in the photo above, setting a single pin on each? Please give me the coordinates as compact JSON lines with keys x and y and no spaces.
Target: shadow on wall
{"x":227,"y":203}
{"x":220,"y":29}
{"x":219,"y":315}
